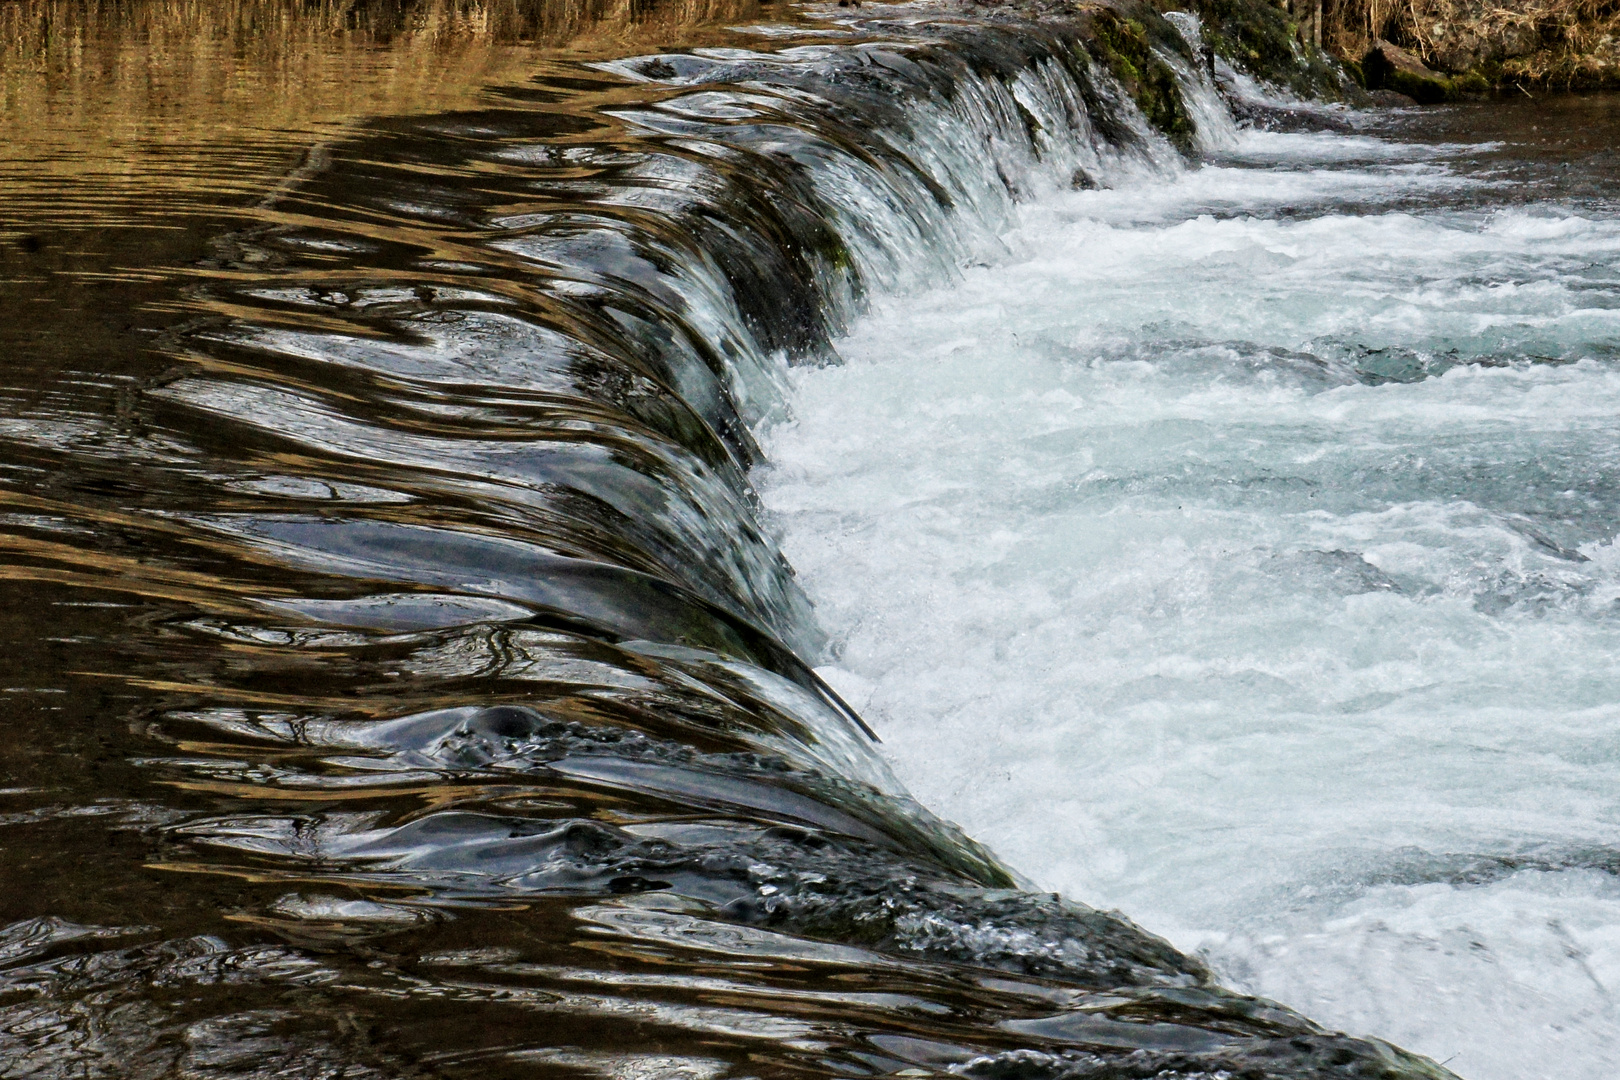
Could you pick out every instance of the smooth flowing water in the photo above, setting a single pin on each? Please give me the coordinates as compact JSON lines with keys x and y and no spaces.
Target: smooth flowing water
{"x":1239,"y":551}
{"x":401,"y":406}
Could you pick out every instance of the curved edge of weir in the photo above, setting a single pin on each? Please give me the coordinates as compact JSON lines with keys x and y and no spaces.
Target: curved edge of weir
{"x":524,"y":354}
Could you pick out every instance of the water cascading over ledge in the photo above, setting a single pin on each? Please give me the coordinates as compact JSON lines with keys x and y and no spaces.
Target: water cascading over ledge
{"x":496,"y":646}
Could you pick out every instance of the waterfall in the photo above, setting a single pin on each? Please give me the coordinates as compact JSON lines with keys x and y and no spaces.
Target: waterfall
{"x":488,"y":389}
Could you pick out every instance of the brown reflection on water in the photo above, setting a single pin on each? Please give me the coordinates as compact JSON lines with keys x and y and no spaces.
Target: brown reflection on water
{"x":118,"y":111}
{"x":137,"y":132}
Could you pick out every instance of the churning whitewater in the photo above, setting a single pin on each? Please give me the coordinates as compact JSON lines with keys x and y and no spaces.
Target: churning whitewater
{"x":1237,"y":550}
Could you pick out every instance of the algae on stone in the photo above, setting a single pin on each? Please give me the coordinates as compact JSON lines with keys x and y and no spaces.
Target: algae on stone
{"x":1124,"y":43}
{"x":1390,"y":67}
{"x":1259,"y":38}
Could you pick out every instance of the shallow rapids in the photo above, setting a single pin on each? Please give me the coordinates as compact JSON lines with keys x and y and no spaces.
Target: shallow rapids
{"x":1239,"y":551}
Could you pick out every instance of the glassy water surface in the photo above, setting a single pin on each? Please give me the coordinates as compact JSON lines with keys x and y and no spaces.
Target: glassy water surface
{"x":402,"y":676}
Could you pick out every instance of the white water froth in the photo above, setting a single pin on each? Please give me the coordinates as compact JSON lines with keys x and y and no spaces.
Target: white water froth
{"x":1145,"y":589}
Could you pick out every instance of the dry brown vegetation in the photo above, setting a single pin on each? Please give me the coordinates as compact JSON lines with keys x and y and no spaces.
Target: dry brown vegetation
{"x":37,"y":26}
{"x":1566,"y":43}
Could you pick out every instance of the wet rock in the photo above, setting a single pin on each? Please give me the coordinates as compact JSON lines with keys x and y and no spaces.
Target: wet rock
{"x":1309,"y":1057}
{"x":1269,"y":115}
{"x":1128,"y":43}
{"x":1389,"y":67}
{"x":1391,"y":99}
{"x":1258,"y":38}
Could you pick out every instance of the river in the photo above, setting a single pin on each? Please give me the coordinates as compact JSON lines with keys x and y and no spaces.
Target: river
{"x":480,"y":479}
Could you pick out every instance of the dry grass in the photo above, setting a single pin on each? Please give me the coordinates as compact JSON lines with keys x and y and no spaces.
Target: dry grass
{"x":1562,"y":44}
{"x":40,"y":27}
{"x":1559,"y":42}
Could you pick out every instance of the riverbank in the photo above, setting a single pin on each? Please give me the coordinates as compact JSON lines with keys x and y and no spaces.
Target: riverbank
{"x":1445,"y":50}
{"x":1430,"y":51}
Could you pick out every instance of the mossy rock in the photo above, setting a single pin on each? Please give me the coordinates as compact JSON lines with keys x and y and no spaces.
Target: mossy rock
{"x":1122,"y":40}
{"x":1258,"y":38}
{"x":1389,"y":67}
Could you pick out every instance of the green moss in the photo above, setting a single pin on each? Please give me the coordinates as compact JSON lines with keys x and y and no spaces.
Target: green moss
{"x":1124,"y":46}
{"x":1420,"y":88}
{"x":1261,"y":40}
{"x":835,"y":253}
{"x":1559,"y":69}
{"x":1426,"y":89}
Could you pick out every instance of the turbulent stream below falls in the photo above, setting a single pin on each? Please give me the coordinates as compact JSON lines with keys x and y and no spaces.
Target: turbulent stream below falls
{"x":459,"y":559}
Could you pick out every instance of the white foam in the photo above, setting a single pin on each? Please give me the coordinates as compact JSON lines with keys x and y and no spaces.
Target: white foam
{"x":1142,"y":587}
